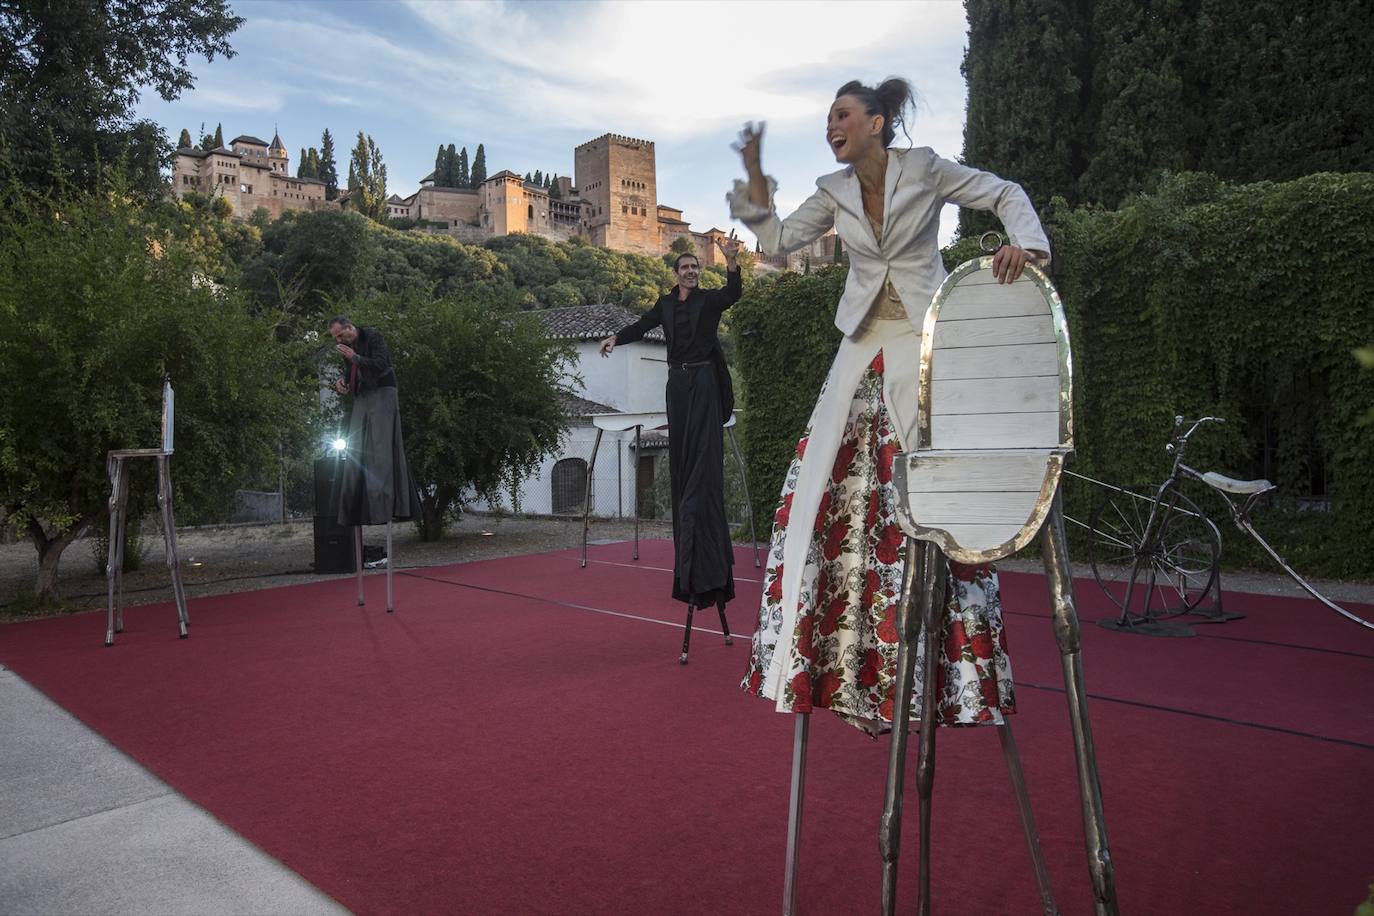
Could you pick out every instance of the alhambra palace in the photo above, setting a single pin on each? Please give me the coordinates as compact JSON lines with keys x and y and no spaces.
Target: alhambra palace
{"x":613,"y":202}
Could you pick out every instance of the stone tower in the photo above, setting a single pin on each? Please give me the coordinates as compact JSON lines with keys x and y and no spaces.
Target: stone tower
{"x":617,"y":177}
{"x":277,"y":155}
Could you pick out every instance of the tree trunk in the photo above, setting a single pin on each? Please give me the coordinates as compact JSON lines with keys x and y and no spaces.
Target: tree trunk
{"x":434,"y":513}
{"x":45,"y":589}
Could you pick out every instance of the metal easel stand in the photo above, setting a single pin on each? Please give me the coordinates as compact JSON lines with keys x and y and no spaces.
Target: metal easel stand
{"x":117,"y":470}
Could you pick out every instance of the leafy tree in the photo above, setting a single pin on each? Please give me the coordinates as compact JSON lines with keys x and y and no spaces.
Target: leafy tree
{"x":462,"y":178}
{"x":480,"y":391}
{"x":479,"y":168}
{"x":539,"y":178}
{"x":207,"y":141}
{"x":71,"y":72}
{"x":309,"y":262}
{"x":82,"y":364}
{"x":184,"y":141}
{"x":367,"y":179}
{"x":528,"y":179}
{"x":329,"y":172}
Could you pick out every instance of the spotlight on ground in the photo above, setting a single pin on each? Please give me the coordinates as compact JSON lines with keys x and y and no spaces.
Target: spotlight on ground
{"x":339,"y":445}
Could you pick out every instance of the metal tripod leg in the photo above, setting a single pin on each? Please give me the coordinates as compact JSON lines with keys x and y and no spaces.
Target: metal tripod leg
{"x":358,"y":559}
{"x":587,"y":502}
{"x":687,"y":634}
{"x":890,"y":828}
{"x":1055,"y":551}
{"x":724,"y":624}
{"x":748,"y":503}
{"x":121,"y":540}
{"x":115,"y":470}
{"x":390,"y":605}
{"x":1023,"y":805}
{"x":934,"y":577}
{"x":794,"y":813}
{"x":169,"y":537}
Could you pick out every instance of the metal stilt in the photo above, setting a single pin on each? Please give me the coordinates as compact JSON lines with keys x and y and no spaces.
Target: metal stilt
{"x":1054,"y":549}
{"x":358,"y":560}
{"x":587,"y":503}
{"x":724,"y":624}
{"x":1023,"y":805}
{"x":794,"y":813}
{"x":687,"y":634}
{"x":390,"y":605}
{"x":890,"y":828}
{"x":748,"y":503}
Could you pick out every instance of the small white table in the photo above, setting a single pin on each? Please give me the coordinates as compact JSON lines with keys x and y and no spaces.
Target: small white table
{"x":656,"y":420}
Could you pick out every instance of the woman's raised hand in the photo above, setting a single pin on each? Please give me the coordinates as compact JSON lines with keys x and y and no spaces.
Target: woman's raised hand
{"x":750,"y":147}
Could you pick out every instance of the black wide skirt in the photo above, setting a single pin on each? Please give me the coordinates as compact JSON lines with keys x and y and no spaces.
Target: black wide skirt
{"x":703,"y":555}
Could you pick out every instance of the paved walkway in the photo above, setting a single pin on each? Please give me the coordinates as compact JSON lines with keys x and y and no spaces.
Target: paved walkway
{"x":85,"y":830}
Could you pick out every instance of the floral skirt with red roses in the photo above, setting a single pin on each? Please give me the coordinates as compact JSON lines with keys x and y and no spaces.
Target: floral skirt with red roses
{"x":827,"y":633}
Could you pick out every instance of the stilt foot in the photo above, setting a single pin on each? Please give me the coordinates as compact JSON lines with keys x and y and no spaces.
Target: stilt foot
{"x":729,"y":640}
{"x":682,"y":659}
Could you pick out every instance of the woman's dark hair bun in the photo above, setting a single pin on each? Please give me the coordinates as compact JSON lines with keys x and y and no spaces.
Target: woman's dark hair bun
{"x":892,"y":99}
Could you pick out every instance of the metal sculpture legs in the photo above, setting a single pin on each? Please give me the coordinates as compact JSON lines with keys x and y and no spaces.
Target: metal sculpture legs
{"x":114,"y":562}
{"x":587,"y":504}
{"x":358,"y":565}
{"x":923,"y":619}
{"x":1054,"y":549}
{"x":794,"y":813}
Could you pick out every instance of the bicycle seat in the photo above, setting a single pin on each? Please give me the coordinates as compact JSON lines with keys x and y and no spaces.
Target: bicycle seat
{"x":1238,"y":487}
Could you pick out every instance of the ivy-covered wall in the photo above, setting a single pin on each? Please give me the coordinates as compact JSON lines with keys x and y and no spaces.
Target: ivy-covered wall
{"x":1202,"y":298}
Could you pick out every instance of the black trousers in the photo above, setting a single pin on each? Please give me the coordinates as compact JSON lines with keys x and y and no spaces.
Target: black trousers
{"x":702,"y":554}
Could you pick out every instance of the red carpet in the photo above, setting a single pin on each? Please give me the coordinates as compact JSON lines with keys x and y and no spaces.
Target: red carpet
{"x":540,"y":752}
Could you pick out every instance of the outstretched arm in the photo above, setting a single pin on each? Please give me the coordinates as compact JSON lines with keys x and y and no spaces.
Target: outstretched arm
{"x":752,"y":203}
{"x":632,"y":332}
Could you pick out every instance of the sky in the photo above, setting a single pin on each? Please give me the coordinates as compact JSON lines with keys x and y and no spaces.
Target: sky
{"x":532,"y":80}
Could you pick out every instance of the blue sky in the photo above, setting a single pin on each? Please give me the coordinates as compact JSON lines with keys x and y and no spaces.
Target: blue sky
{"x":531,"y":80}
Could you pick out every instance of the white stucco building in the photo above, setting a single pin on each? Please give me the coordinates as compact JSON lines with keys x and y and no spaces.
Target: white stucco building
{"x":631,"y":380}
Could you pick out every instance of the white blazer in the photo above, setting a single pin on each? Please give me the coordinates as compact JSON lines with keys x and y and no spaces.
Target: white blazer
{"x":918,"y":184}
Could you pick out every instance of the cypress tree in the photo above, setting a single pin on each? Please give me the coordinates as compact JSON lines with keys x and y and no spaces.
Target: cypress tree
{"x":450,"y":167}
{"x":219,"y":136}
{"x":329,"y":172}
{"x":303,"y":165}
{"x":479,"y":167}
{"x":440,"y":168}
{"x":464,"y":180}
{"x":314,"y":162}
{"x":184,"y":141}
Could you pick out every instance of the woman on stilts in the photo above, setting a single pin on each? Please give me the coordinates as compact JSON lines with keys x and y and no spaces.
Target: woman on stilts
{"x":827,"y":635}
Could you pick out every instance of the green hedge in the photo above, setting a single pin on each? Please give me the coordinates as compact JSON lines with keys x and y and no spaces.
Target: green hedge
{"x":1245,"y":302}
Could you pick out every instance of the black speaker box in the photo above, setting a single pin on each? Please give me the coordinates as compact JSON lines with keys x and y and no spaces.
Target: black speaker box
{"x":326,"y":486}
{"x":333,"y":546}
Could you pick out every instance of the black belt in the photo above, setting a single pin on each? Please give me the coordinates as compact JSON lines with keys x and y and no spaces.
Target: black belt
{"x":704,"y":362}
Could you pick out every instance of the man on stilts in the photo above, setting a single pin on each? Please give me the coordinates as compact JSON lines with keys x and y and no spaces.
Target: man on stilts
{"x":699,"y":399}
{"x":375,"y":485}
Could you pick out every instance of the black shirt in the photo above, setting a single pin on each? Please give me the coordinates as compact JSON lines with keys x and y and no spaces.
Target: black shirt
{"x":372,"y":359}
{"x":691,"y":325}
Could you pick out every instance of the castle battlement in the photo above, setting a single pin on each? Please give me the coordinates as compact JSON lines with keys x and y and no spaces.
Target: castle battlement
{"x":618,"y":138}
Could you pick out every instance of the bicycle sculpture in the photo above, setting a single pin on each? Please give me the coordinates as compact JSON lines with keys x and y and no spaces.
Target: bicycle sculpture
{"x":1171,"y":548}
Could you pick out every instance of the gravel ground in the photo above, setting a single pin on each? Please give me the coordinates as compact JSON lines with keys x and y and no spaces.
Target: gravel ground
{"x":236,"y":558}
{"x":218,"y":560}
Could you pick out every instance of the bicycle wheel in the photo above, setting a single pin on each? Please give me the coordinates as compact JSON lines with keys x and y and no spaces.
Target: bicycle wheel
{"x":1173,"y":572}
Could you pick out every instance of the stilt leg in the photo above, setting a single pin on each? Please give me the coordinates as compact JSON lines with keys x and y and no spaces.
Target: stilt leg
{"x":1018,"y":786}
{"x":890,"y":828}
{"x":587,"y":499}
{"x":390,"y":604}
{"x":169,"y":538}
{"x":637,"y":429}
{"x":114,"y":469}
{"x":748,"y":503}
{"x":687,"y":634}
{"x":1054,"y":549}
{"x":794,"y":813}
{"x":358,"y":559}
{"x":934,"y":576}
{"x":724,"y":624}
